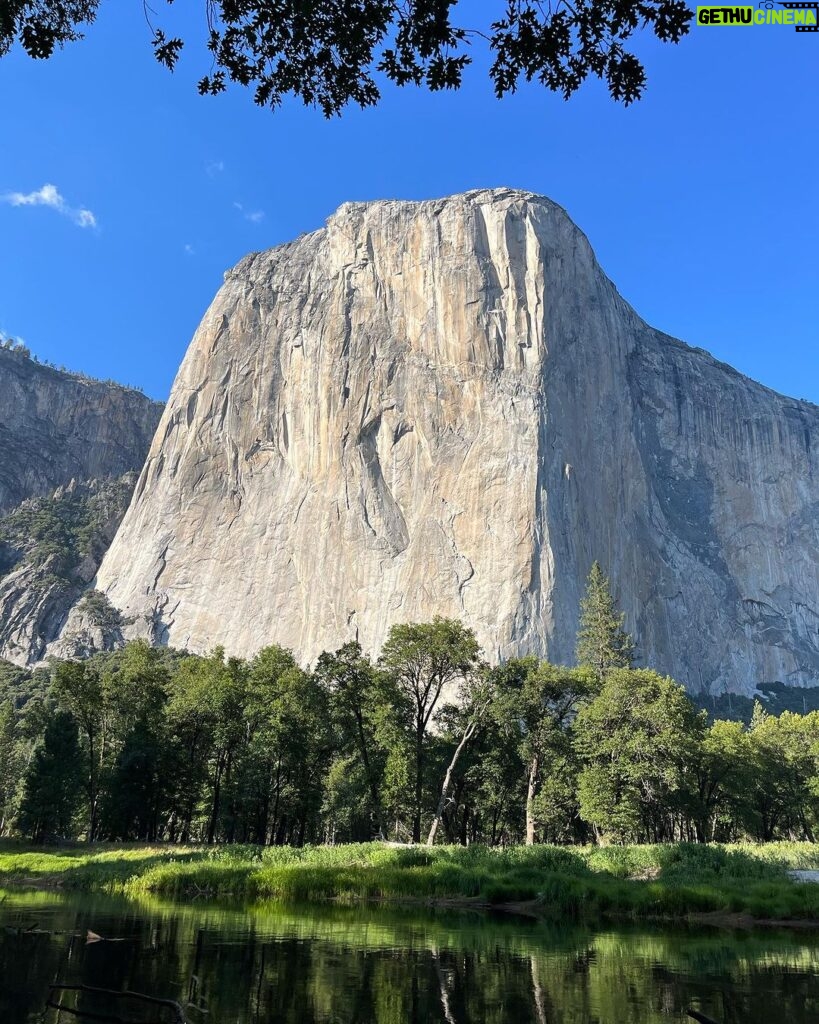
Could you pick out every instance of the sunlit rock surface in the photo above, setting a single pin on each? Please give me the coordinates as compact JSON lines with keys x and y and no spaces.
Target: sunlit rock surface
{"x":446,"y":408}
{"x":56,"y":427}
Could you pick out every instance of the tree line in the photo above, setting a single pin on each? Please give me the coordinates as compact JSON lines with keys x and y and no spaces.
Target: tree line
{"x":428,"y":743}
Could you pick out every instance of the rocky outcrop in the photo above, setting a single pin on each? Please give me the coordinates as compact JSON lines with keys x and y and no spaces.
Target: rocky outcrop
{"x":446,"y":408}
{"x":69,"y":451}
{"x":56,"y":427}
{"x":91,"y":625}
{"x":50,"y":550}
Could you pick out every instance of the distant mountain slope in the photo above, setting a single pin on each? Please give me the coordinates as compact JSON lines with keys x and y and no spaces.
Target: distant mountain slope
{"x":70,"y":452}
{"x":56,"y":427}
{"x":50,"y":550}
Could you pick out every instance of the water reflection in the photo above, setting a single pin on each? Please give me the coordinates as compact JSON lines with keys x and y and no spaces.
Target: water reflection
{"x":377,"y":966}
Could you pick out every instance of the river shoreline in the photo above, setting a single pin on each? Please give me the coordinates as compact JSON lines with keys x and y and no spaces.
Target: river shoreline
{"x":738,"y":886}
{"x":527,"y":909}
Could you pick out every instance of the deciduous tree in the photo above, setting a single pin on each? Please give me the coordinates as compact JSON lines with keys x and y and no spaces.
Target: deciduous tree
{"x":423,"y":659}
{"x":79,"y":690}
{"x":329,"y":53}
{"x":637,"y":740}
{"x":538,"y":702}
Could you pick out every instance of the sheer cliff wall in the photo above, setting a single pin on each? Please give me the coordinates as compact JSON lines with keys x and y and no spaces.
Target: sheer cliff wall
{"x":446,"y":408}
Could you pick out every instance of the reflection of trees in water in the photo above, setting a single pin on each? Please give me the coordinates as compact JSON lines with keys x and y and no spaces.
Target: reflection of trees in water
{"x":538,"y":993}
{"x":366,"y":966}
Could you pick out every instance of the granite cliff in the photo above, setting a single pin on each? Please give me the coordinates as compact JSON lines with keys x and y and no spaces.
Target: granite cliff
{"x":50,"y":550}
{"x":69,"y":449}
{"x":57,"y":426}
{"x":446,"y":408}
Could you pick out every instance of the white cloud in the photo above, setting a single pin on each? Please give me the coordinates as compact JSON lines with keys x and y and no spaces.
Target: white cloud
{"x":189,"y":249}
{"x":49,"y":195}
{"x":214,"y":167}
{"x":85,"y":219}
{"x":254,"y":216}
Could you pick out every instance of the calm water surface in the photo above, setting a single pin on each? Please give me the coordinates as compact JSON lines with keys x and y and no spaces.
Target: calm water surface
{"x":386,"y":966}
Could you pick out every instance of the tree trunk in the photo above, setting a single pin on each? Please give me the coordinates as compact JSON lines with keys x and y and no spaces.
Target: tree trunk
{"x":275,"y":826}
{"x":92,"y":790}
{"x":419,"y":782}
{"x":263,"y":808}
{"x":446,"y":1006}
{"x":531,"y":793}
{"x":375,"y":796}
{"x":436,"y":821}
{"x":217,"y":792}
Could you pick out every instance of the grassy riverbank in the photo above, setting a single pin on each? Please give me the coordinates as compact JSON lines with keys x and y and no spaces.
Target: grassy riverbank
{"x":672,"y":881}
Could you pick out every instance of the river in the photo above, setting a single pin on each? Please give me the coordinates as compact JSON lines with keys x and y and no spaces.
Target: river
{"x":378,"y":965}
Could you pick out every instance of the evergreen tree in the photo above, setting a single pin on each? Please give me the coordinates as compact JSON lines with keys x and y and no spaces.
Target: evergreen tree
{"x":602,"y":642}
{"x":11,"y":764}
{"x":54,"y":781}
{"x":79,"y":690}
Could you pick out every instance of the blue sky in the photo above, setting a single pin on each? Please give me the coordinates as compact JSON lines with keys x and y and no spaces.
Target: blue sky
{"x":700,"y":200}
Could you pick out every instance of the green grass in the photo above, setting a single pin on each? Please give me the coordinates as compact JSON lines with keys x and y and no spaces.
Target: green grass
{"x":672,"y":881}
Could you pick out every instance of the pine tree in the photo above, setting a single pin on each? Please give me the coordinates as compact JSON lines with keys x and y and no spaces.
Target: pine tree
{"x":11,"y":765}
{"x":53,"y":782}
{"x":602,"y":642}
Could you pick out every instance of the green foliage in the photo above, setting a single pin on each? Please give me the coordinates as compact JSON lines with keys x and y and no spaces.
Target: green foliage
{"x":100,"y":612}
{"x":671,"y":881}
{"x":11,"y":767}
{"x":423,"y":659}
{"x":775,"y":697}
{"x":637,"y":740}
{"x":59,"y":532}
{"x":19,"y":685}
{"x":331,"y":53}
{"x":52,"y":782}
{"x":139,"y":762}
{"x":367,"y":711}
{"x":430,"y":741}
{"x":602,"y":643}
{"x":78,"y":689}
{"x":534,"y":709}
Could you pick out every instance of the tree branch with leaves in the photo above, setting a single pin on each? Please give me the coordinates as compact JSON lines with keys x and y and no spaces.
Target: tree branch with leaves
{"x":331,"y":53}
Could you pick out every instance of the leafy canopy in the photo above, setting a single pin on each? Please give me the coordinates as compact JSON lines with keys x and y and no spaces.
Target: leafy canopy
{"x":637,"y":740}
{"x":329,"y":53}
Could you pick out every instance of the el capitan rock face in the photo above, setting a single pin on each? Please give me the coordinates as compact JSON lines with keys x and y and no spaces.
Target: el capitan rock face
{"x":446,"y":408}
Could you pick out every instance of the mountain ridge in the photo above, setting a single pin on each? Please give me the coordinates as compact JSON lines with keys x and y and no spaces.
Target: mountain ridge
{"x":56,"y":426}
